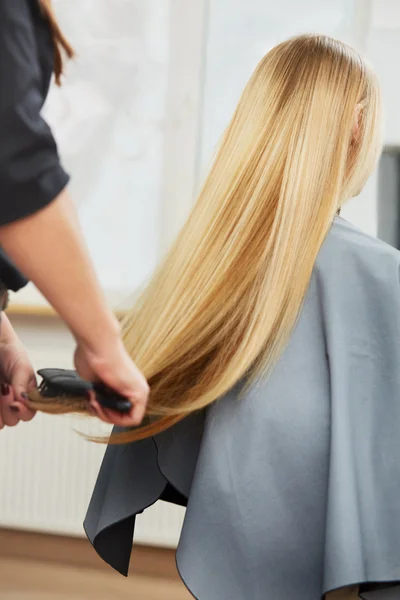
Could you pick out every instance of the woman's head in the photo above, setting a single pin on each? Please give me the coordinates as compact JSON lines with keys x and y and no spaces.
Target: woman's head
{"x":221,"y":307}
{"x":308,"y":91}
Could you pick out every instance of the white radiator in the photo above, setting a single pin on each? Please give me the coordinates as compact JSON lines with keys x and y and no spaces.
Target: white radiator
{"x":47,"y":471}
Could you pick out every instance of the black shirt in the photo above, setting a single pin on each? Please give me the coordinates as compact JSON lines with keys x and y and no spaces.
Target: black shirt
{"x":31,"y":175}
{"x":11,"y":278}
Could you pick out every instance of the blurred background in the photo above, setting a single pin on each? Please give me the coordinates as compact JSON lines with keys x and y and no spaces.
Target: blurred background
{"x":142,"y":107}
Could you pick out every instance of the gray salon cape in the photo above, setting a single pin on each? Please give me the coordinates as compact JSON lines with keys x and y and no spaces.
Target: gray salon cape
{"x":294,"y":489}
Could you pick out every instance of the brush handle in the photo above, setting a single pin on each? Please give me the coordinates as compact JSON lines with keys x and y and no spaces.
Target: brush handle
{"x":107,"y":398}
{"x":64,"y":383}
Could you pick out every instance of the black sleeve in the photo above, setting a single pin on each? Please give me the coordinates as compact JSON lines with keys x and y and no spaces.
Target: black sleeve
{"x":30,"y":172}
{"x":10,"y":277}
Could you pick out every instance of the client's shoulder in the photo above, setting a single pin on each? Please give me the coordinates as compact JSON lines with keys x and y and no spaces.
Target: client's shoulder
{"x":348,"y":246}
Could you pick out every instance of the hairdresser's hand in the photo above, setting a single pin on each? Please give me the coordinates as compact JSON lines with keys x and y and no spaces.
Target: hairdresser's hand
{"x":16,"y":378}
{"x":112,"y":365}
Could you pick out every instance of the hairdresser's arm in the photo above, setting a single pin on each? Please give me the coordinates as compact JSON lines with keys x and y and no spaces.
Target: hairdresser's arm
{"x":48,"y":247}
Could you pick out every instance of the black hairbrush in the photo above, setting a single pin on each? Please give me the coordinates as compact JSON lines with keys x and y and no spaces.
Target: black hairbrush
{"x":64,"y":383}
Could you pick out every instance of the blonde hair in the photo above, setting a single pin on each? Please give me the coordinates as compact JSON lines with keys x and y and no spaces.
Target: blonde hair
{"x":223,"y":303}
{"x":61,"y":44}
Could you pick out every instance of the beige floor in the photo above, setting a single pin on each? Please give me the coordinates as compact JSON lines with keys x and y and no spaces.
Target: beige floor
{"x":30,"y":580}
{"x":346,"y":594}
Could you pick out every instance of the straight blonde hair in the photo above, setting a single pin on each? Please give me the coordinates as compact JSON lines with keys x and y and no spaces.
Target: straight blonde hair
{"x":223,"y":303}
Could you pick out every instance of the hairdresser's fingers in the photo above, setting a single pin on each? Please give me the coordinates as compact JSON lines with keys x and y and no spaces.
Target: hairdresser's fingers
{"x":133,"y":387}
{"x":25,"y":413}
{"x":10,"y":415}
{"x":108,"y":416}
{"x":130,"y":384}
{"x":132,"y":419}
{"x":114,"y":367}
{"x":11,"y":418}
{"x":98,"y":411}
{"x":112,"y":417}
{"x":23,"y":381}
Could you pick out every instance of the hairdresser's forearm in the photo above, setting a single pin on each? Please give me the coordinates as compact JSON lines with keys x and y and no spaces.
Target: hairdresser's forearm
{"x":49,"y":249}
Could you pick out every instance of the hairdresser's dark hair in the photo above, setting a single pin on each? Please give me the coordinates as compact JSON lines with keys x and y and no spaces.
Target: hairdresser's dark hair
{"x":61,"y":45}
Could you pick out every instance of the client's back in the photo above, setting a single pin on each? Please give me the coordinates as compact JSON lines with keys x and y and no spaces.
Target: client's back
{"x":293,"y":485}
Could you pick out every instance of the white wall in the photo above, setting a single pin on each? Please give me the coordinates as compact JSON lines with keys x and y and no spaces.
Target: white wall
{"x":238,"y":35}
{"x":126,"y":121}
{"x":383,"y":50}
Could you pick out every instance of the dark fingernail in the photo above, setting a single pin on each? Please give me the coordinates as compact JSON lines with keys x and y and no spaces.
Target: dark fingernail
{"x":4,"y":389}
{"x":24,"y":396}
{"x":14,"y":409}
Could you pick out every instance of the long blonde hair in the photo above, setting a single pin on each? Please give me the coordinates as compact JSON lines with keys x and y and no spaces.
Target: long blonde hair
{"x":61,"y":44}
{"x":223,"y":303}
